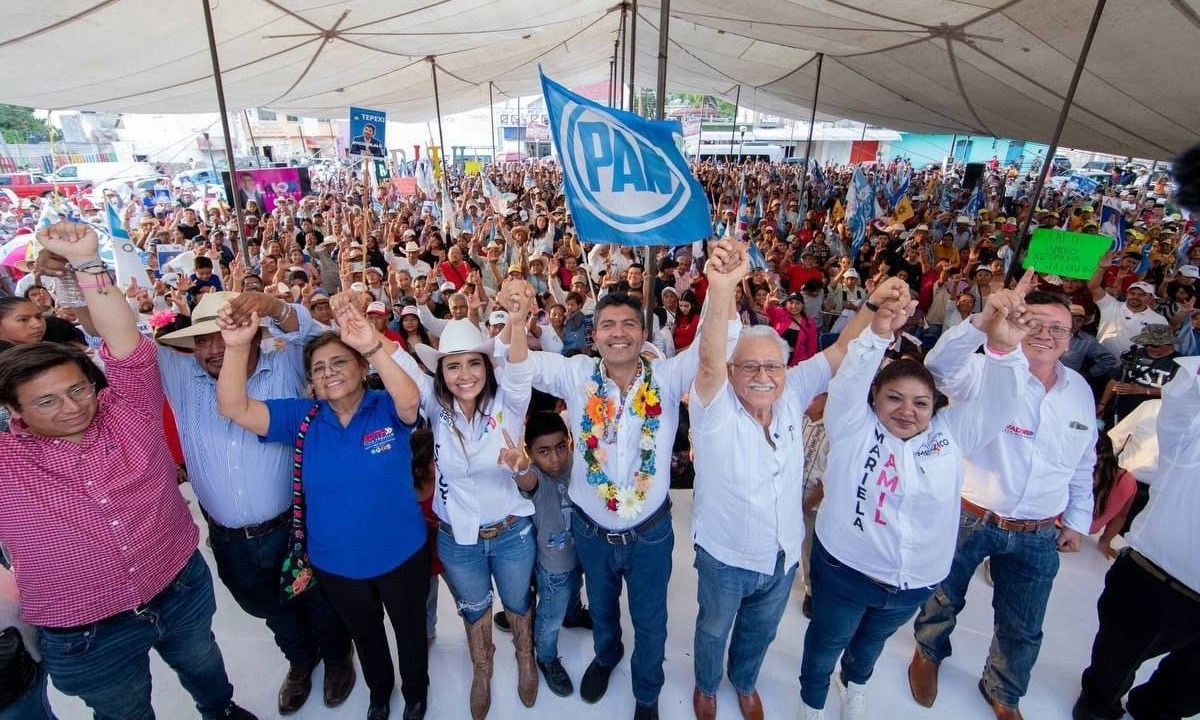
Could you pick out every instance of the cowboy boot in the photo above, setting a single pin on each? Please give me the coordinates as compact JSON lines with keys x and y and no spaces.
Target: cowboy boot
{"x":479,"y":642}
{"x":527,"y":675}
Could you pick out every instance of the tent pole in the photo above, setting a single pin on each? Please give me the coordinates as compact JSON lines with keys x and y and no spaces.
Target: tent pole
{"x":737,"y":101}
{"x":437,"y":108}
{"x":632,"y":52}
{"x":1036,"y":197}
{"x":253,"y":140}
{"x":619,"y":90}
{"x":660,"y":112}
{"x":216,"y":67}
{"x":492,"y":117}
{"x":812,"y":120}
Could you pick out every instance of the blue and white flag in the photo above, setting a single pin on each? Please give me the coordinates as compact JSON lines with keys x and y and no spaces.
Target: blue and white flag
{"x":126,"y":256}
{"x":743,"y":213}
{"x":626,"y":181}
{"x":975,"y":204}
{"x":1143,"y":265}
{"x":902,"y":190}
{"x":860,"y":208}
{"x":492,"y":193}
{"x":816,"y":172}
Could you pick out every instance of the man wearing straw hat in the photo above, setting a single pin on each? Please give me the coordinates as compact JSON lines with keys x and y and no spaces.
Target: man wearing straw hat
{"x":244,"y":488}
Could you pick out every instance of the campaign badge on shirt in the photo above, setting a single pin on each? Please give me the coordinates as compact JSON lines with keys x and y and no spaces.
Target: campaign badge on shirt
{"x":379,"y":441}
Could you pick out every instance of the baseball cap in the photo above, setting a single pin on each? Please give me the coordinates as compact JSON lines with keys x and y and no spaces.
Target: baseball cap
{"x":409,"y":310}
{"x":498,"y":317}
{"x":377,"y":308}
{"x":1187,"y":271}
{"x":851,"y":272}
{"x":447,"y":287}
{"x":358,"y":287}
{"x":170,"y":278}
{"x":1144,"y":287}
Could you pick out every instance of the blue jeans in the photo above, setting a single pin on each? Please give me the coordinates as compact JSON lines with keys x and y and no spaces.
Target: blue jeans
{"x":33,"y":705}
{"x":107,"y":663}
{"x":305,"y":628}
{"x":470,"y":569}
{"x":749,"y":603}
{"x":1023,"y":568}
{"x":851,"y":613}
{"x":556,"y":592}
{"x":645,"y":566}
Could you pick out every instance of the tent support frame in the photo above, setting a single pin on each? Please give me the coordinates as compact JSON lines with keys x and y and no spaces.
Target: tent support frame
{"x":633,"y":23}
{"x":812,"y":121}
{"x":1068,"y":99}
{"x":492,"y":118}
{"x":238,"y":212}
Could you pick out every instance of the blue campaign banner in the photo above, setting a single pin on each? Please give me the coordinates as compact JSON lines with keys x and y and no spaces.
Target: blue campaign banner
{"x":626,"y":181}
{"x":368,"y":131}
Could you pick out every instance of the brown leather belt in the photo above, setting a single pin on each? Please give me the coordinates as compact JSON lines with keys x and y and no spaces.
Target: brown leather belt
{"x":1004,"y":523}
{"x":491,"y":532}
{"x":1161,"y":575}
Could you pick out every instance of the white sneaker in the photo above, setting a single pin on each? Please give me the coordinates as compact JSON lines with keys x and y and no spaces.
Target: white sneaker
{"x":854,"y":699}
{"x":807,"y":713}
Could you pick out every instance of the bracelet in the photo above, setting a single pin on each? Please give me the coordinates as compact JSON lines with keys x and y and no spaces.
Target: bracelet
{"x":95,"y":262}
{"x":101,"y":280}
{"x":372,"y":351}
{"x":871,"y":306}
{"x":287,"y":312}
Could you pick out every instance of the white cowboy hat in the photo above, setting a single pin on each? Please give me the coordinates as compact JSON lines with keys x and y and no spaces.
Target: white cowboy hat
{"x":459,"y":336}
{"x":204,"y":320}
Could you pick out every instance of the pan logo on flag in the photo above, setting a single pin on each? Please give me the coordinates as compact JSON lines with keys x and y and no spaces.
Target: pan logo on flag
{"x":622,"y":177}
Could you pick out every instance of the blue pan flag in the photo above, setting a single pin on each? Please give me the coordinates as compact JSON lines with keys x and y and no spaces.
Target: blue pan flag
{"x":625,"y":179}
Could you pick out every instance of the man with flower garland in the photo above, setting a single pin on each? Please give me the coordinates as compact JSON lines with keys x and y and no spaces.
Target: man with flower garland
{"x":747,"y":513}
{"x":623,"y":414}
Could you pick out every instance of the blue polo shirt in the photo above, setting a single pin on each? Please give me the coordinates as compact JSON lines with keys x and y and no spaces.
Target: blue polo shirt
{"x":363,"y":516}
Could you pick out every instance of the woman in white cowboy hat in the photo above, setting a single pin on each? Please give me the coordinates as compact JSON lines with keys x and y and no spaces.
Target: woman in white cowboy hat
{"x":486,"y":532}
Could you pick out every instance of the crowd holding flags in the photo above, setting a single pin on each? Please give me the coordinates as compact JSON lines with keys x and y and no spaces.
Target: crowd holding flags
{"x":860,"y":208}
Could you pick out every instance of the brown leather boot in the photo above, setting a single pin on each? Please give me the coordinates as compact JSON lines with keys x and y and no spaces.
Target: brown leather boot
{"x":479,"y":643}
{"x":923,"y":679}
{"x":527,"y":674}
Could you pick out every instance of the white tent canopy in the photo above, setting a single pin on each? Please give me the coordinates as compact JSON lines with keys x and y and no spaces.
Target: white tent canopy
{"x":992,"y":67}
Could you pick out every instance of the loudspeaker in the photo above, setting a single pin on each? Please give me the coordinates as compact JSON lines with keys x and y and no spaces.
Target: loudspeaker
{"x":972,"y":175}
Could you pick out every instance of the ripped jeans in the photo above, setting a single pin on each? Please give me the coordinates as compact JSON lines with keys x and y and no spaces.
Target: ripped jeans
{"x":469,"y":569}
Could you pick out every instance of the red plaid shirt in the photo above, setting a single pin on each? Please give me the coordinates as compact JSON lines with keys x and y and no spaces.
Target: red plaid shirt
{"x":100,"y":527}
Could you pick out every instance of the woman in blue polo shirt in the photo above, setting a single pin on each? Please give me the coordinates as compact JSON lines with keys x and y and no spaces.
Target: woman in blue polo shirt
{"x":365,"y":533}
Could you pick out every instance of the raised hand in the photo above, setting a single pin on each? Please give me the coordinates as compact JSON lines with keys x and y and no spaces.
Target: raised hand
{"x":892,"y":315}
{"x":892,"y":289}
{"x":71,"y":240}
{"x":237,"y":333}
{"x":517,"y":297}
{"x":513,"y":456}
{"x":727,"y":265}
{"x":353,"y":326}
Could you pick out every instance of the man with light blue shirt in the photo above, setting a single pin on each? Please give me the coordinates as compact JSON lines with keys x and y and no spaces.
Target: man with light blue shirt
{"x":245,"y":488}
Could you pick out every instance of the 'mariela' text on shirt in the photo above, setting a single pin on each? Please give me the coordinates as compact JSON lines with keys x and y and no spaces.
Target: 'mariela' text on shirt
{"x":888,"y":481}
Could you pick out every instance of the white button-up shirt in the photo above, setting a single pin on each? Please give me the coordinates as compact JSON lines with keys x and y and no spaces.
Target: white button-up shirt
{"x":891,"y":506}
{"x":566,"y":377}
{"x":1118,"y":324}
{"x":1167,"y":532}
{"x":1041,"y":464}
{"x":472,"y":489}
{"x":749,"y":493}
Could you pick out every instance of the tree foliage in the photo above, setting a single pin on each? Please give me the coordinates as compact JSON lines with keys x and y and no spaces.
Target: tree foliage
{"x":19,"y":124}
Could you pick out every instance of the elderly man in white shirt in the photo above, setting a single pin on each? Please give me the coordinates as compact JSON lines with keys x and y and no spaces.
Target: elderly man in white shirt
{"x":1120,"y":321}
{"x":1016,"y":487}
{"x":623,"y":412}
{"x":1151,"y":600}
{"x":747,"y":516}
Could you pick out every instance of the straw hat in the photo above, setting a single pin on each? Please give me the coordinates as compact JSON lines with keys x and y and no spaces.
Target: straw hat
{"x":204,"y":320}
{"x":459,"y":336}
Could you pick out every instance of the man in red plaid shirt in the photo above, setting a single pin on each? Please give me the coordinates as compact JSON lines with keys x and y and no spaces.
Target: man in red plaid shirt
{"x":102,"y":543}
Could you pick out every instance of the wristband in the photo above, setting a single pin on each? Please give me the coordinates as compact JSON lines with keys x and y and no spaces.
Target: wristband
{"x":91,"y":264}
{"x":996,"y":350}
{"x":871,"y":306}
{"x":373,"y":350}
{"x":101,"y":280}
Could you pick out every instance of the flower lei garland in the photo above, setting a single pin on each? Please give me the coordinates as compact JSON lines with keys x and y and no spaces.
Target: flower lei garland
{"x":599,"y":413}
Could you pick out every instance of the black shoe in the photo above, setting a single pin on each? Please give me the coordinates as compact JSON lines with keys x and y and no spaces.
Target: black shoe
{"x":594,"y":683}
{"x":806,"y":606}
{"x":379,"y":711}
{"x":414,"y":711}
{"x":339,"y":681}
{"x":557,"y":678}
{"x":501,"y":621}
{"x":295,"y":689}
{"x":233,"y":712}
{"x":646,"y":712}
{"x":1082,"y":712}
{"x":581,"y":619}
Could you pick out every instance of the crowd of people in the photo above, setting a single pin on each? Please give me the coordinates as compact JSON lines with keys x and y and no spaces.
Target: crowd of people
{"x":371,"y":393}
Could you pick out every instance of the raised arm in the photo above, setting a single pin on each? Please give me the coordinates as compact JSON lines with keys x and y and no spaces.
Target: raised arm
{"x":78,"y":244}
{"x":232,"y":400}
{"x":357,"y":332}
{"x":894,"y":291}
{"x":850,"y":387}
{"x":725,"y":270}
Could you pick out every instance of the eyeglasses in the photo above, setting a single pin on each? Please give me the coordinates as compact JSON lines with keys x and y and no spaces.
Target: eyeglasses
{"x":750,"y":369}
{"x":1058,"y":332}
{"x":78,"y":394}
{"x":334,"y":366}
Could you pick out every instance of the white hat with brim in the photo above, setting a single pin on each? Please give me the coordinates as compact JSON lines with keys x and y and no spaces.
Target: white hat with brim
{"x":204,"y":320}
{"x":459,"y":336}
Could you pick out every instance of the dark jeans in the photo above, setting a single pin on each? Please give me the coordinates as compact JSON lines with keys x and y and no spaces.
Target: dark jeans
{"x":306,"y":628}
{"x":1023,"y":568}
{"x":1141,"y":617}
{"x":853,"y":616}
{"x":645,"y":566}
{"x":361,"y":604}
{"x":33,"y":704}
{"x":107,"y":664}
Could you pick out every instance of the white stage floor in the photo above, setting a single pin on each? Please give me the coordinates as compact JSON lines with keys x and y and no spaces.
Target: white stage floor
{"x":257,"y":667}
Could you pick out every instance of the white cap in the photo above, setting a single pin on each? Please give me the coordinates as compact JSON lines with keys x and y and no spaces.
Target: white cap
{"x":377,"y":308}
{"x":172,"y":279}
{"x":1144,"y":287}
{"x":851,"y":272}
{"x":498,"y":317}
{"x":447,"y":287}
{"x":411,"y":246}
{"x":1187,"y":271}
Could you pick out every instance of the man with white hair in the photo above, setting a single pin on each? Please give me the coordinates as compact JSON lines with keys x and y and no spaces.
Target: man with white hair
{"x":747,"y":517}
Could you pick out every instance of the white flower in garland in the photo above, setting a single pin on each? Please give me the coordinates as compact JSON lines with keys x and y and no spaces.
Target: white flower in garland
{"x":629,"y":505}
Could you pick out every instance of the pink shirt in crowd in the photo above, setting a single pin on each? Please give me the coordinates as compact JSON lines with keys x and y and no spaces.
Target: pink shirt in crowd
{"x":1119,"y":496}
